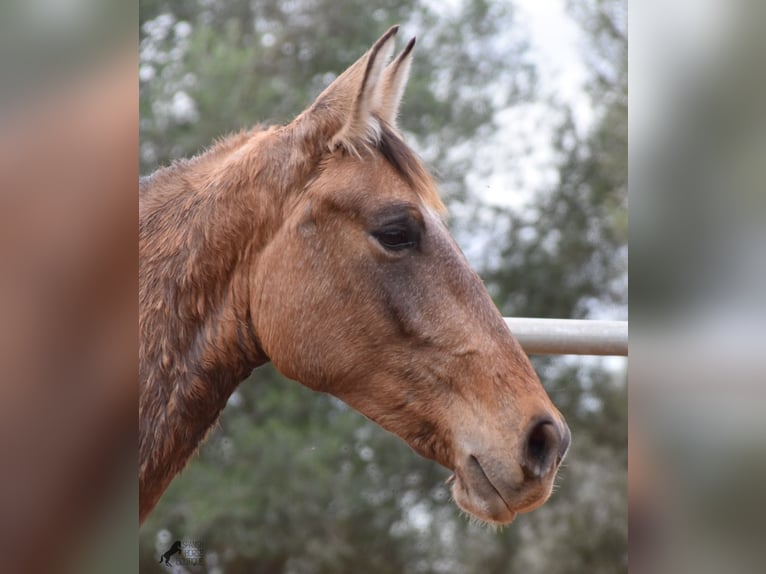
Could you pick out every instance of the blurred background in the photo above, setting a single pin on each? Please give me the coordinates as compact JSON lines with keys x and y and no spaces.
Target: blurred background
{"x":520,"y":110}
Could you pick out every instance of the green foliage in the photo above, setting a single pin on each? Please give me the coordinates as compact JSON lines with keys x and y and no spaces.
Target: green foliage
{"x":294,"y":481}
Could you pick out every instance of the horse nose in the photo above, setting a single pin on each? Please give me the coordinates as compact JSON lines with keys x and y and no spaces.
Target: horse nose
{"x":545,"y":447}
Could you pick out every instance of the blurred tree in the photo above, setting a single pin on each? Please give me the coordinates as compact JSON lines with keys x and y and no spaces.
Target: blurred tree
{"x":566,"y":256}
{"x":294,"y":481}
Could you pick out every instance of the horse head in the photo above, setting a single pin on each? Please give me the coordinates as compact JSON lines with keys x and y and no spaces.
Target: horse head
{"x":362,"y":293}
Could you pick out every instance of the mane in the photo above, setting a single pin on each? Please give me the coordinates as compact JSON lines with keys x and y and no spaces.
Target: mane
{"x":407,"y":164}
{"x":385,"y":140}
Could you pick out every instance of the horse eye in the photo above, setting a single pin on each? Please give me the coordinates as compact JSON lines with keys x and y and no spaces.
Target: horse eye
{"x":396,"y":238}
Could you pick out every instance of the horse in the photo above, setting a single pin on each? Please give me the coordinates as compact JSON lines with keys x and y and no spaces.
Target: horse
{"x":321,"y":246}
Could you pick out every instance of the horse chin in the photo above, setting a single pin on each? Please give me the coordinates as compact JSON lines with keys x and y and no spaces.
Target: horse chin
{"x":491,"y":499}
{"x":490,"y":509}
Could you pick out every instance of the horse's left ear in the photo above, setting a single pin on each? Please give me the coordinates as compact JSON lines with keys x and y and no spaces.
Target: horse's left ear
{"x":392,"y":85}
{"x":348,"y":113}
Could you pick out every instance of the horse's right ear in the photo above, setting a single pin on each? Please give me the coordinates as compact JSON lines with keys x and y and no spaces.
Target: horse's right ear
{"x":344,"y":111}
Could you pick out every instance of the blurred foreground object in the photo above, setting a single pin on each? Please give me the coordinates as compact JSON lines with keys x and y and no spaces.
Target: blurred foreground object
{"x":68,"y":343}
{"x":698,"y":140}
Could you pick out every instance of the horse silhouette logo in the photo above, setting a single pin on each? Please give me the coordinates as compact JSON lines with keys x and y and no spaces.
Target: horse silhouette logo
{"x":174,"y":549}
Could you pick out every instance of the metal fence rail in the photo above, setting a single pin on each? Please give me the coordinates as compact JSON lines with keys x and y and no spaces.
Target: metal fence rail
{"x":570,"y":336}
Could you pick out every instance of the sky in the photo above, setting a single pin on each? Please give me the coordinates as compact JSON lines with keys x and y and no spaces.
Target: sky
{"x":557,"y":48}
{"x":557,"y":45}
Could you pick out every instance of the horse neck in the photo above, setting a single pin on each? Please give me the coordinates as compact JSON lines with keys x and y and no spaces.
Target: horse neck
{"x":202,"y":225}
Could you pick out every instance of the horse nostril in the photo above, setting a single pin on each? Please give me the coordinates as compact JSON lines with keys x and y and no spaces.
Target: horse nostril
{"x":544,"y":449}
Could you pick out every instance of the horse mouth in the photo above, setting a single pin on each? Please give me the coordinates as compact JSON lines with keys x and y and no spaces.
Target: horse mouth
{"x":478,"y":490}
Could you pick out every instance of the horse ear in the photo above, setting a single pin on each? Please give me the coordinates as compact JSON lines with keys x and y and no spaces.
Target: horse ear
{"x":393,"y":83}
{"x":345,"y":109}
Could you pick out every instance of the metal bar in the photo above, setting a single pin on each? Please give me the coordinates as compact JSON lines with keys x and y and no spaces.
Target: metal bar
{"x":570,"y":336}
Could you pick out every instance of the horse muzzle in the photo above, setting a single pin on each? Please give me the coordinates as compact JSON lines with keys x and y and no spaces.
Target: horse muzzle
{"x":495,"y":488}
